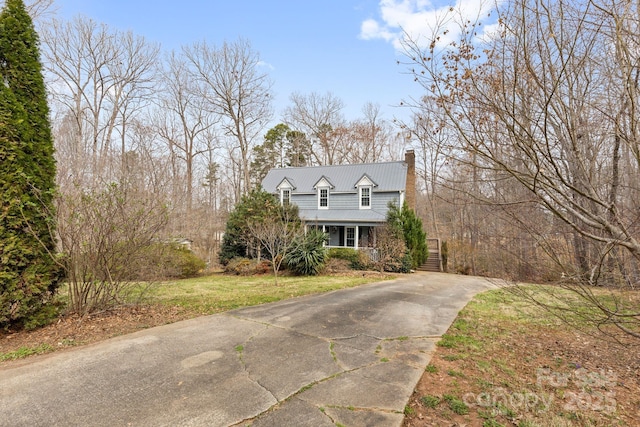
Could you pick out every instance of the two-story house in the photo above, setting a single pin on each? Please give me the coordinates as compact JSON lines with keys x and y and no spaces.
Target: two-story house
{"x":347,"y":202}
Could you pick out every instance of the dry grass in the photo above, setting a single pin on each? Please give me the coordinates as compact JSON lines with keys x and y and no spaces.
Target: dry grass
{"x":507,"y":362}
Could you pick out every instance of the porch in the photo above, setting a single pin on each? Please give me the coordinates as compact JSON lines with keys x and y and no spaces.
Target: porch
{"x":348,"y":236}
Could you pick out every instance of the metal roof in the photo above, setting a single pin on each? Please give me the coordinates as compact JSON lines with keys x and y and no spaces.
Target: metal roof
{"x":389,"y":176}
{"x":343,"y":215}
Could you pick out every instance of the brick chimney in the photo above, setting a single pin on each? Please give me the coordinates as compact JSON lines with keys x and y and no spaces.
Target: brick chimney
{"x":410,"y":186}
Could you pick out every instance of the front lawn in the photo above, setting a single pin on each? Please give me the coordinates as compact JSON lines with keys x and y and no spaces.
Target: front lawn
{"x":167,"y":302}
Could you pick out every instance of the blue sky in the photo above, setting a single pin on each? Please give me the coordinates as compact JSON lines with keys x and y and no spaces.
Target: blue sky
{"x":346,"y":47}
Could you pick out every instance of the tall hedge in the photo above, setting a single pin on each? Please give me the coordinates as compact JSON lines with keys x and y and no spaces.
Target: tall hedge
{"x":29,"y":274}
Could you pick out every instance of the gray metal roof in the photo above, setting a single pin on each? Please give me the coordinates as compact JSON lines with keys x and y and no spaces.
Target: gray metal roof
{"x":340,"y":216}
{"x":390,"y":176}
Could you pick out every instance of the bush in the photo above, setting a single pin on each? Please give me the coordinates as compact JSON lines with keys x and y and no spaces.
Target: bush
{"x":247,"y":267}
{"x":393,"y":255}
{"x":254,"y":208}
{"x":179,"y":262}
{"x":407,"y":225}
{"x":347,"y":254}
{"x":358,"y":260}
{"x":401,"y":264}
{"x":308,"y":254}
{"x":336,"y":265}
{"x":363,"y":261}
{"x":108,"y":238}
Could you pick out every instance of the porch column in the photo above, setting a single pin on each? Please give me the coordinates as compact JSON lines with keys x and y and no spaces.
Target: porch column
{"x":356,"y":237}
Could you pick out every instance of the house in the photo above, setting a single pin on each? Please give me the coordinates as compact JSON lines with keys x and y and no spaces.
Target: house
{"x":346,"y":201}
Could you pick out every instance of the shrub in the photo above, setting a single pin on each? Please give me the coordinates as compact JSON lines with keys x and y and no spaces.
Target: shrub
{"x":335,"y":265}
{"x":254,"y":208}
{"x":247,"y":267}
{"x":308,"y":254}
{"x":393,"y":255}
{"x":444,"y":253}
{"x":108,"y":237}
{"x":407,"y":225}
{"x":347,"y":254}
{"x":180,"y":263}
{"x":358,"y":260}
{"x":363,"y":261}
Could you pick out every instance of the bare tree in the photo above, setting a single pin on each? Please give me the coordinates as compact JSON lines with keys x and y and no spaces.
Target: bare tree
{"x":37,"y":8}
{"x":320,"y":118}
{"x":434,"y":145}
{"x":371,"y":135}
{"x":184,"y":121}
{"x":233,"y":85}
{"x":277,"y":236}
{"x":131,"y":93}
{"x":98,"y":78}
{"x":546,"y":109}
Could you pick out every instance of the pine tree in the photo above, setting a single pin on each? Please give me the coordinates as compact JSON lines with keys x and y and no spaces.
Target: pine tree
{"x":29,"y":274}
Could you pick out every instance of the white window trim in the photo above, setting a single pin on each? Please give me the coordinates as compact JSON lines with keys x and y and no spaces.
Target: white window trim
{"x":282,"y":190}
{"x":360,"y":188}
{"x":284,"y":186}
{"x":320,"y":192}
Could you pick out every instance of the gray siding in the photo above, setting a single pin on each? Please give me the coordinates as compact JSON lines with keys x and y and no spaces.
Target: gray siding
{"x":343,"y":202}
{"x":306,"y":201}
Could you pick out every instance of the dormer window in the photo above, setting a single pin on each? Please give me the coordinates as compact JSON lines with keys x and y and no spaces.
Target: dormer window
{"x":323,"y":187}
{"x":365,"y":192}
{"x":323,"y":198}
{"x":285,"y":196}
{"x":284,"y":188}
{"x":365,"y":197}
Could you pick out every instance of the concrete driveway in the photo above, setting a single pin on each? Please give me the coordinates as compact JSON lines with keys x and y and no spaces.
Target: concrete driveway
{"x":351,"y":357}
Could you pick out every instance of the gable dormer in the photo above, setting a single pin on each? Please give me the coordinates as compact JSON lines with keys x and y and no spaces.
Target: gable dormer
{"x":365,"y":181}
{"x":323,"y":182}
{"x":323,"y":187}
{"x":285,"y":188}
{"x":365,"y":187}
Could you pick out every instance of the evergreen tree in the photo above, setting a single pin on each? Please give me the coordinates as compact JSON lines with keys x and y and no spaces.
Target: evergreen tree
{"x":282,"y":147}
{"x":29,"y":274}
{"x":271,"y":154}
{"x":407,"y":224}
{"x":257,"y":206}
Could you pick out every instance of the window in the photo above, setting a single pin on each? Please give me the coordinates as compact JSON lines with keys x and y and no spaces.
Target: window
{"x":351,"y":237}
{"x":365,"y":197}
{"x":323,"y":198}
{"x":285,"y":197}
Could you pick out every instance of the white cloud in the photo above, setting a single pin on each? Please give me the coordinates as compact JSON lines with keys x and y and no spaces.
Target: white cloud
{"x":266,"y":64}
{"x":419,"y":19}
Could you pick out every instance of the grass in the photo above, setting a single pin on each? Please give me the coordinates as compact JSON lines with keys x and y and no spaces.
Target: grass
{"x":23,"y":352}
{"x":430,"y":401}
{"x":456,"y":405}
{"x":431,"y":368}
{"x":212,"y":294}
{"x":217,"y":293}
{"x":454,"y":373}
{"x":484,"y":371}
{"x":459,"y":341}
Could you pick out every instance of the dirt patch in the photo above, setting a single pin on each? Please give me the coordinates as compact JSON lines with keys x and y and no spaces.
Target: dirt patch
{"x":538,"y":377}
{"x":74,"y":330}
